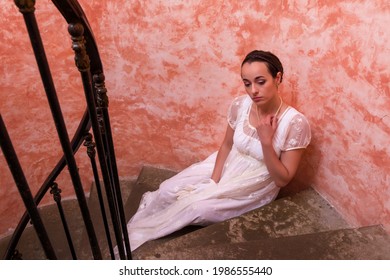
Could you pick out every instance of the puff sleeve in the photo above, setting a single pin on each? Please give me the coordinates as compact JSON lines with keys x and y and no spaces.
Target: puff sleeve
{"x":233,"y":111}
{"x":298,"y":134}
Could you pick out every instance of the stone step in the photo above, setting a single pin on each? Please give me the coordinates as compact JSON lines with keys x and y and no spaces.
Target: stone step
{"x":149,"y":179}
{"x":29,"y":245}
{"x":367,"y":243}
{"x":303,"y":213}
{"x":127,"y":190}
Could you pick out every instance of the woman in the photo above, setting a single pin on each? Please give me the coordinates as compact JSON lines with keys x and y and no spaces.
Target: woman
{"x":264,"y":142}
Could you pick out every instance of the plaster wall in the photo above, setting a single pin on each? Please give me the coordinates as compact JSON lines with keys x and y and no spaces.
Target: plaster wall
{"x":172,"y":68}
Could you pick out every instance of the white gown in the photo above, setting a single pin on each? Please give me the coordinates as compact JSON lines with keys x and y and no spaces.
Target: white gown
{"x":191,"y":198}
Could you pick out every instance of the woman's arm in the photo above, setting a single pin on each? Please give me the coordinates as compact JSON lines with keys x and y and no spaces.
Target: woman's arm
{"x":223,"y":153}
{"x":282,"y":169}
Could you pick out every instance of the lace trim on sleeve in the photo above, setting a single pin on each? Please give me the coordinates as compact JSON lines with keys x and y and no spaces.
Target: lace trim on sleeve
{"x":299,"y":134}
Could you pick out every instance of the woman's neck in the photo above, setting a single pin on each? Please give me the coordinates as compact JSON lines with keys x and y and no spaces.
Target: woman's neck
{"x":273,"y":107}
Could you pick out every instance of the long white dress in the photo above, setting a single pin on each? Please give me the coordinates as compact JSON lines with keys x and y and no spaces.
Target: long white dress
{"x":191,"y":198}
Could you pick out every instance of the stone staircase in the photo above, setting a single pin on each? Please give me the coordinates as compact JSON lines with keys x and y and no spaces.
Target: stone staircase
{"x":299,"y":226}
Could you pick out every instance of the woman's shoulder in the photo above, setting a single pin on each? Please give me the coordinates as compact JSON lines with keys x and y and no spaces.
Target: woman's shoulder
{"x":236,"y":109}
{"x":292,"y":113}
{"x":294,"y":118}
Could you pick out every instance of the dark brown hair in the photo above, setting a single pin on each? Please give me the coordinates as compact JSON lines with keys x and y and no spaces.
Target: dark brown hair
{"x":272,"y":61}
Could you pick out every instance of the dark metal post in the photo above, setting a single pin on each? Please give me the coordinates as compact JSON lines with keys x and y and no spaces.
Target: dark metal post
{"x":24,"y":190}
{"x":102,"y":110}
{"x":76,"y":30}
{"x":91,"y":154}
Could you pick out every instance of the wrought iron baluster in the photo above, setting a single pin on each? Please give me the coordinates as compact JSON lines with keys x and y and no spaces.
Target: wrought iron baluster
{"x":102,"y":109}
{"x":24,"y":190}
{"x":76,"y":30}
{"x":56,"y":192}
{"x":27,"y":9}
{"x":91,"y":151}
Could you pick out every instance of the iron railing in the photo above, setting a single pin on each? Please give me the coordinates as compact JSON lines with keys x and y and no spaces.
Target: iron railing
{"x":96,"y":117}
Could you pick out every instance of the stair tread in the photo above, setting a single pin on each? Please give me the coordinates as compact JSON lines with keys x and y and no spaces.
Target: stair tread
{"x":366,"y":243}
{"x":127,"y":191}
{"x":303,"y":213}
{"x":29,"y":245}
{"x":149,"y":179}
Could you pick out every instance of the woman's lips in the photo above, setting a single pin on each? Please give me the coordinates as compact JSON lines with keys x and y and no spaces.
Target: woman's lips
{"x":257,"y":98}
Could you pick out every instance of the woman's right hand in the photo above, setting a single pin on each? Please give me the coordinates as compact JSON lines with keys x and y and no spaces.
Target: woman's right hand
{"x":266,"y":129}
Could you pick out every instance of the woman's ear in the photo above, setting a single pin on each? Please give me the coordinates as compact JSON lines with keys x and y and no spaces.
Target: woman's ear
{"x":279,"y":78}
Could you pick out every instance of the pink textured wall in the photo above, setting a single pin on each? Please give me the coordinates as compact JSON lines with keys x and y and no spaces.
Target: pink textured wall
{"x":172,"y":68}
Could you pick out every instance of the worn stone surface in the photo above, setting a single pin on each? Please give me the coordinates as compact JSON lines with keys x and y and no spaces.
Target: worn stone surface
{"x":127,"y":190}
{"x":29,"y":245}
{"x":31,"y":249}
{"x":369,"y":243}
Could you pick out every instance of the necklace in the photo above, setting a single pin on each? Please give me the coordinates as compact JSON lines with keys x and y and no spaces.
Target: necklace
{"x":277,"y":111}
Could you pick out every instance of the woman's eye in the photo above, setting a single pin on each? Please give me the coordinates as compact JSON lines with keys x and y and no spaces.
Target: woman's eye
{"x":247,"y":84}
{"x":261,"y":82}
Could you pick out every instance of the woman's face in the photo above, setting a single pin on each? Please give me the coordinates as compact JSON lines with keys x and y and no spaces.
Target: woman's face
{"x":258,"y":82}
